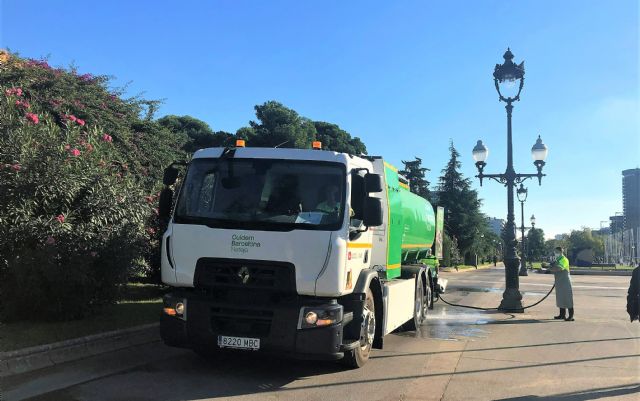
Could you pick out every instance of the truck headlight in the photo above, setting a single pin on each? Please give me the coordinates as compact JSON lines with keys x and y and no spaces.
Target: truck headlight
{"x":311,"y":318}
{"x":320,"y":316}
{"x":176,"y":307}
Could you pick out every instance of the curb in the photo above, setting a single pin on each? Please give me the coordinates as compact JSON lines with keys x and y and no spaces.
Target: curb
{"x":577,"y":272}
{"x":47,"y":355}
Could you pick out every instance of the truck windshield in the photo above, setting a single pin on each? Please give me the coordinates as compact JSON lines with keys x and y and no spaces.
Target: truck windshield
{"x":265,"y":194}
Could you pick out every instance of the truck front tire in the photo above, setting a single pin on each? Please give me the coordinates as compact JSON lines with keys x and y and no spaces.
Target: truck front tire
{"x":357,"y":357}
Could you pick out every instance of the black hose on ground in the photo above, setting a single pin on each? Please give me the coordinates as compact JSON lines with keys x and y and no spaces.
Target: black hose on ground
{"x":487,"y":309}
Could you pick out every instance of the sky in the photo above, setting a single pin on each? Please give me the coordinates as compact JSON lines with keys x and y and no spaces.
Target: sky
{"x":407,"y":77}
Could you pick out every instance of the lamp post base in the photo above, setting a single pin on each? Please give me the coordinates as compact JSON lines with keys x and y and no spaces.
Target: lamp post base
{"x":511,"y":301}
{"x":511,"y":297}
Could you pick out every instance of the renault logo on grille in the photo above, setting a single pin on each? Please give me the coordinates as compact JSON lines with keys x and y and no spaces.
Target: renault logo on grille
{"x":244,"y":275}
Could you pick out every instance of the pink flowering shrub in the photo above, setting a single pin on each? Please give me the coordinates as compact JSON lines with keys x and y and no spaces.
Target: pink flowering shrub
{"x":75,"y":215}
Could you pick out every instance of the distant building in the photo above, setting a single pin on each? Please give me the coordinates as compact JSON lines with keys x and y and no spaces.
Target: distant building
{"x":495,"y":225}
{"x":631,"y":198}
{"x":616,"y":223}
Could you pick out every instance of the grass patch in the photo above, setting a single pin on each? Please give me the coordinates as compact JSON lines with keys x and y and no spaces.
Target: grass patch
{"x":139,"y":304}
{"x":467,"y":267}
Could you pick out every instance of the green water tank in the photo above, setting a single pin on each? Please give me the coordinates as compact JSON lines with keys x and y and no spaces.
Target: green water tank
{"x":419,"y":226}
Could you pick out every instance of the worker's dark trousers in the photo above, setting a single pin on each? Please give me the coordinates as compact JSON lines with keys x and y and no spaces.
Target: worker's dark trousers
{"x":563,"y":312}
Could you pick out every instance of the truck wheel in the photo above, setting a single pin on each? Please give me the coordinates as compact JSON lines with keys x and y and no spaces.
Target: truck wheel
{"x":420,"y":306}
{"x":430,"y":292}
{"x":357,"y":357}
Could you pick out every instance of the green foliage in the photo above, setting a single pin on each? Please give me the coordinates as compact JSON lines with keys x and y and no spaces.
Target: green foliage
{"x":486,"y":246}
{"x":279,"y":126}
{"x":199,"y":133}
{"x":463,"y":219}
{"x":535,"y":245}
{"x":415,"y":173}
{"x":583,"y":240}
{"x":450,"y":252}
{"x":336,"y":139}
{"x":79,"y":173}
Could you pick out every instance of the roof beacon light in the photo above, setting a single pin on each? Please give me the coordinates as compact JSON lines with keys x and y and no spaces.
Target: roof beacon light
{"x":317,"y":145}
{"x":240,"y":143}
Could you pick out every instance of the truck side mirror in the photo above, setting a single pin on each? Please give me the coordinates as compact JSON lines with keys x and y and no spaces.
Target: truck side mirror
{"x":372,"y":212}
{"x":372,"y":183}
{"x":170,"y":175}
{"x":164,"y":204}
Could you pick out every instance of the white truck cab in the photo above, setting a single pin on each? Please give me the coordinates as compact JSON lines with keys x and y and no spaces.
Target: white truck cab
{"x":284,"y":250}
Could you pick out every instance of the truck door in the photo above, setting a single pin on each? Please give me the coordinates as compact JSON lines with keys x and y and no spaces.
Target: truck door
{"x":359,"y":244}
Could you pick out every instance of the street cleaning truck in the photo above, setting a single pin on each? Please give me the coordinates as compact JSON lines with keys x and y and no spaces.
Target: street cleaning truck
{"x":301,"y":252}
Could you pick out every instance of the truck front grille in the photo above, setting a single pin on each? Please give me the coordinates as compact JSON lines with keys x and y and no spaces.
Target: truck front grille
{"x":244,"y":294}
{"x":246,"y":274}
{"x":241,"y":322}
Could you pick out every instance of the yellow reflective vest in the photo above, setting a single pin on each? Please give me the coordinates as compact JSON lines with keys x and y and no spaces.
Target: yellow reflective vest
{"x":563,"y":262}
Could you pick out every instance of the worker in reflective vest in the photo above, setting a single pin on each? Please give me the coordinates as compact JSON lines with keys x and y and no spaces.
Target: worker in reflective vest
{"x":564,"y":292}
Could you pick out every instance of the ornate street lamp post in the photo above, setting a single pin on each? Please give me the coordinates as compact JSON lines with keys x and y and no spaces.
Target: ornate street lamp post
{"x":533,"y":226}
{"x":522,"y":193}
{"x":510,"y":77}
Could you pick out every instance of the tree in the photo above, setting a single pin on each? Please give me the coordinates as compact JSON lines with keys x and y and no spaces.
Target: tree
{"x":463,"y":219}
{"x":280,"y":126}
{"x":450,"y":251}
{"x":335,"y":138}
{"x":415,"y":173}
{"x":535,"y":245}
{"x":199,"y":133}
{"x":583,"y":247}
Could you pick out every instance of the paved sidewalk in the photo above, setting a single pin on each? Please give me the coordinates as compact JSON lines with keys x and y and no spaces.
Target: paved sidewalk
{"x":460,"y":354}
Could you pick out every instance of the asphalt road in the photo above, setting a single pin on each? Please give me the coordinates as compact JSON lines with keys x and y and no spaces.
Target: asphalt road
{"x":460,"y":354}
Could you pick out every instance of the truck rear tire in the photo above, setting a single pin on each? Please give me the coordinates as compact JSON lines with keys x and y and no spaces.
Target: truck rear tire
{"x":420,"y":306}
{"x":357,"y":357}
{"x":430,"y":292}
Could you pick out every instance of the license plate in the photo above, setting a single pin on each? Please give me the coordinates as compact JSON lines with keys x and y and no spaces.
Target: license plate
{"x":239,"y":342}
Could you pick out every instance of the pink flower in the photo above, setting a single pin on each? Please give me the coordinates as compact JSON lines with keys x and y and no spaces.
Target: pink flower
{"x":149,"y":199}
{"x":25,"y":104}
{"x":33,"y":118}
{"x":151,"y":230}
{"x":107,"y":138}
{"x":89,"y":147}
{"x":13,"y":91}
{"x":67,"y":147}
{"x":74,"y":152}
{"x":69,"y":117}
{"x":93,"y":254}
{"x":80,"y":122}
{"x":60,"y":218}
{"x":16,"y":167}
{"x":38,"y":63}
{"x":50,"y":240}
